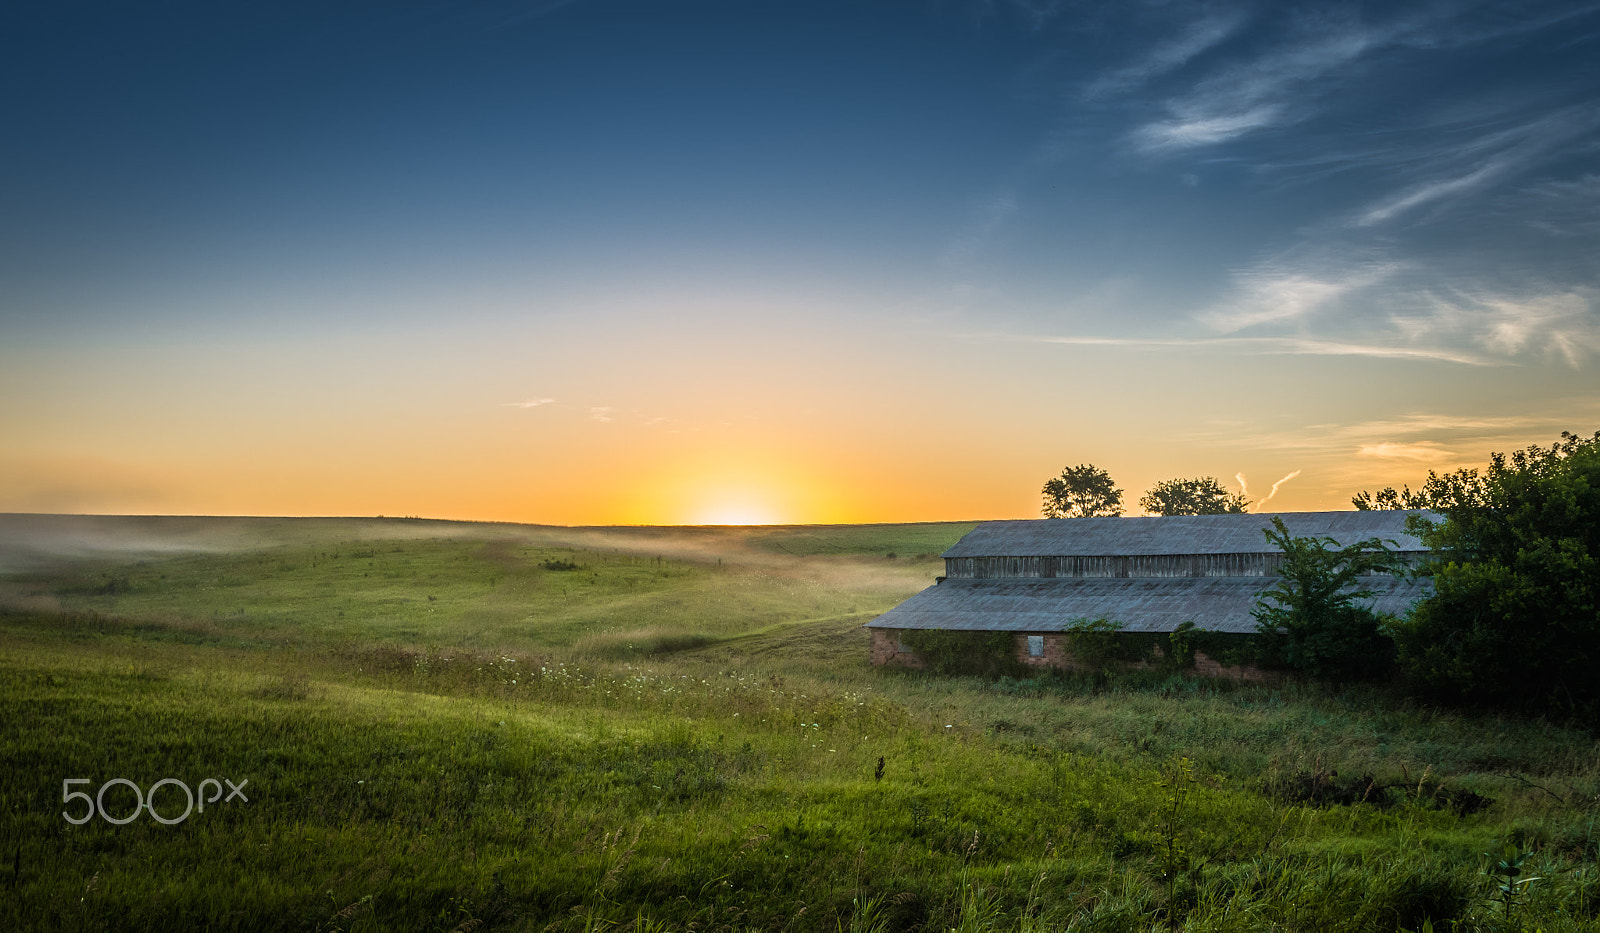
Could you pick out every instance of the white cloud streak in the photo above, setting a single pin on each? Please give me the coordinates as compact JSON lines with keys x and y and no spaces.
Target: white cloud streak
{"x":1369,"y":309}
{"x":1199,"y":127}
{"x":1294,"y":346}
{"x":1200,"y":37}
{"x":1425,"y":450}
{"x":1259,"y":93}
{"x":1283,"y":84}
{"x":1427,"y":192}
{"x":1497,"y":154}
{"x":1561,"y":326}
{"x":1440,"y":440}
{"x":531,"y":403}
{"x":1275,"y":294}
{"x":1357,"y":454}
{"x":1257,"y":506}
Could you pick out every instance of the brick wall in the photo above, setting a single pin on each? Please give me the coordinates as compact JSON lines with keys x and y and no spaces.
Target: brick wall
{"x":1055,"y":650}
{"x":1206,"y":666}
{"x":887,"y":649}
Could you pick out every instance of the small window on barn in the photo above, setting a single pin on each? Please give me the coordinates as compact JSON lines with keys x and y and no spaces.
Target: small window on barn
{"x":1035,"y":646}
{"x":900,"y":642}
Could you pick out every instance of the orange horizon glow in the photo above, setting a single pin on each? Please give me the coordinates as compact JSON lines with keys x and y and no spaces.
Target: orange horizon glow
{"x":731,"y":500}
{"x":687,"y":443}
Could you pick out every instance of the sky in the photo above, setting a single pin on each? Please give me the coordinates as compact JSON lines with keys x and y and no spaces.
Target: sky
{"x":616,"y":262}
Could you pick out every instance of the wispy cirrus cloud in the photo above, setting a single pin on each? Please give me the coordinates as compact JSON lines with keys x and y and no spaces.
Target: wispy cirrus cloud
{"x":1421,"y":178}
{"x":1481,"y":150}
{"x":606,"y":414}
{"x":1311,"y":302}
{"x":1278,"y":292}
{"x":1430,"y":451}
{"x":1289,"y":345}
{"x":1310,"y":346}
{"x":1196,"y":126}
{"x":1349,"y":455}
{"x":1439,"y":439}
{"x":1345,"y":456}
{"x":1298,"y":75}
{"x":1559,"y":325}
{"x":1200,"y":36}
{"x":1381,"y":310}
{"x":1427,"y":192}
{"x":1566,"y":207}
{"x":1266,"y":91}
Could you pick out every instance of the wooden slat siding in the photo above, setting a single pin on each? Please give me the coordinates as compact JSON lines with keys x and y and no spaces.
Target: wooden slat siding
{"x":1111,"y":566}
{"x":1119,"y":567}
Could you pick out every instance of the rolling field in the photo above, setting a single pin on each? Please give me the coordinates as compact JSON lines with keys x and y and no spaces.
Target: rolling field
{"x":452,"y":726}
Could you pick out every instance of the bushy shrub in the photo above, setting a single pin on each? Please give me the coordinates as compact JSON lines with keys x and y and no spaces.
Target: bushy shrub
{"x":1309,"y":621}
{"x":1103,"y":643}
{"x":953,"y":653}
{"x":1515,"y":615}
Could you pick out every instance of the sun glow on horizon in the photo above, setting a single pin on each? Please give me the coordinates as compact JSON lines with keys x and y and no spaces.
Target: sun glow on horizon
{"x":736,"y":487}
{"x":738,"y":513}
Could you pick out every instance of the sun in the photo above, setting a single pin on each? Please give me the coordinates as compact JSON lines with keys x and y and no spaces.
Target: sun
{"x":737,"y":513}
{"x":736,"y":493}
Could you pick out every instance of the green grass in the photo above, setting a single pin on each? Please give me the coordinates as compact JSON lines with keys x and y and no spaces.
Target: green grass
{"x":683,"y":733}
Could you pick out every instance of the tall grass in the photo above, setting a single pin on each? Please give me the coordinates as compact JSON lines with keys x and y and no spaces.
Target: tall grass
{"x":699,"y":749}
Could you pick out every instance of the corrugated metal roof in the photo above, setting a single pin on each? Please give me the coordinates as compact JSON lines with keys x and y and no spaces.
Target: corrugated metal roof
{"x":1178,"y":534}
{"x":1143,"y":604}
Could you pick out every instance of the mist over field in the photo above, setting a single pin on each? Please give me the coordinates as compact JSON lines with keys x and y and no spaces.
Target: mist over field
{"x":33,"y":541}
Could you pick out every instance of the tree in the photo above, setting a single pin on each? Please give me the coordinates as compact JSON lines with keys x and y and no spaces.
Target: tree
{"x":1202,"y":496}
{"x":1389,"y":499}
{"x":1310,"y":620}
{"x":1443,"y":493}
{"x":1515,"y":615}
{"x":1083,"y":491}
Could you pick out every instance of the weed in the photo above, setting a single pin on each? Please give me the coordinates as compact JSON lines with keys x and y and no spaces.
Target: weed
{"x":1509,"y":886}
{"x":1177,"y":782}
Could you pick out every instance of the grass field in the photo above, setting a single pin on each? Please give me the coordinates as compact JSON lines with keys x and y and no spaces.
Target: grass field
{"x":449,"y":726}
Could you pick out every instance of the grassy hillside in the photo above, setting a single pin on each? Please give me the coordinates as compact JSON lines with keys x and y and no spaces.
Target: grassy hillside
{"x":450,"y":727}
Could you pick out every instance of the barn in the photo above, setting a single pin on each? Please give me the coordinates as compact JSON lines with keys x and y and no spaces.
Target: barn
{"x":1037,"y":579}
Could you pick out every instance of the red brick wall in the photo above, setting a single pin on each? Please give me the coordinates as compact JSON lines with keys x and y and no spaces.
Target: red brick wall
{"x":1206,"y":666}
{"x":1055,"y":650}
{"x":886,"y":649}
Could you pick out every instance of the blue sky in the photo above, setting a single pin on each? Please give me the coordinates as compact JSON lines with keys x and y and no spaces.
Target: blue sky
{"x":1354,"y":241}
